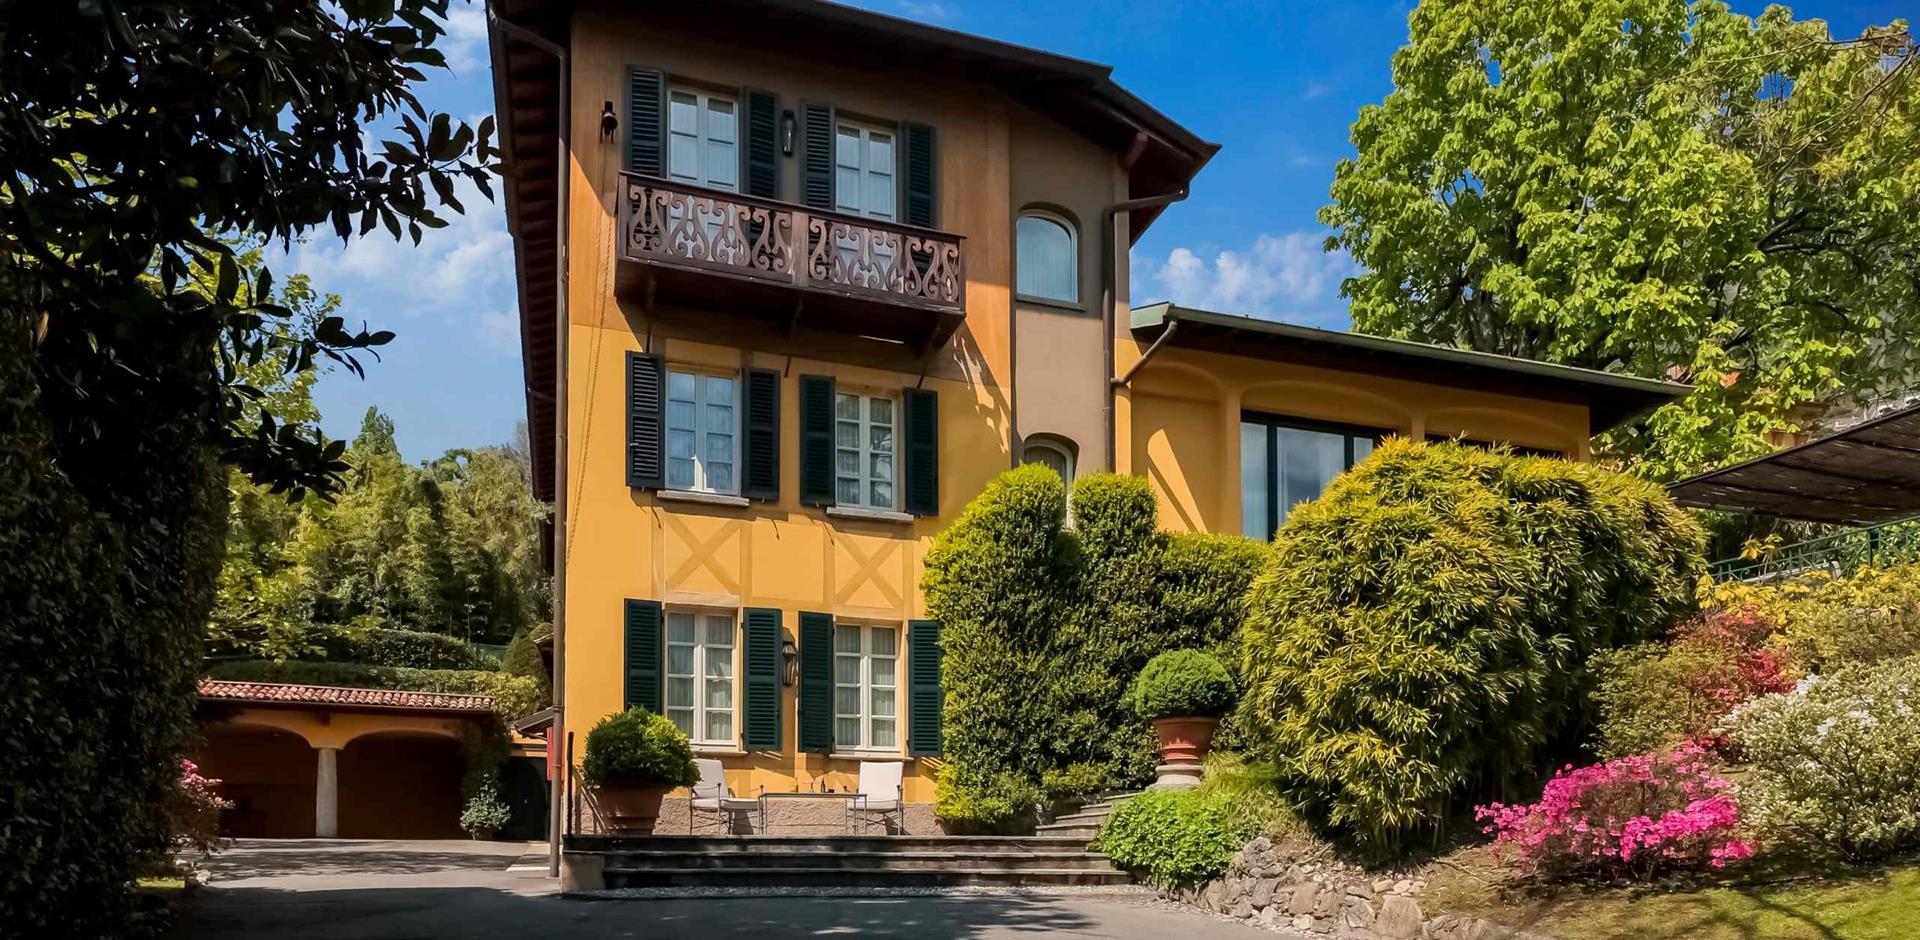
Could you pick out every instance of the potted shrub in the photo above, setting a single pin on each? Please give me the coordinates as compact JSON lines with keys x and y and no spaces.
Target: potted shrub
{"x":633,"y":759}
{"x":1184,"y":693}
{"x":485,"y":813}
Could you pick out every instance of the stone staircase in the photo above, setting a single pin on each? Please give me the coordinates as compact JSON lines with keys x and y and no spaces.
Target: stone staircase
{"x":847,"y":861}
{"x":1084,"y":823}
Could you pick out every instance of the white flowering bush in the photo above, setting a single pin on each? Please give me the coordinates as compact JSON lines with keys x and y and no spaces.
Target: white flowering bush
{"x":1835,"y":763}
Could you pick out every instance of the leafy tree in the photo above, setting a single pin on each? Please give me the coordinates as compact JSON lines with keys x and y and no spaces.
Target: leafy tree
{"x":450,"y":546}
{"x":1660,"y":187}
{"x":139,"y":142}
{"x":130,"y":131}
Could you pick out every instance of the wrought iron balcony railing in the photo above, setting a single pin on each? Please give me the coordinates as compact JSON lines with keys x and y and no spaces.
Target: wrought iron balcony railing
{"x":681,"y":227}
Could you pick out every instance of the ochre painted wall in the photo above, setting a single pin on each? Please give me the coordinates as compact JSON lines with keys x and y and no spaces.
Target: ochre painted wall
{"x":1059,"y":362}
{"x":400,"y":786}
{"x":268,"y":776}
{"x":625,"y":543}
{"x":399,"y":774}
{"x":1179,"y":421}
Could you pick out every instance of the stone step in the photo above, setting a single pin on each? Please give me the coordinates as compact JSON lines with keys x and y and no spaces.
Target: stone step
{"x":1078,"y":833}
{"x":623,"y":877}
{"x":860,"y":861}
{"x":1082,"y":818}
{"x":825,"y":843}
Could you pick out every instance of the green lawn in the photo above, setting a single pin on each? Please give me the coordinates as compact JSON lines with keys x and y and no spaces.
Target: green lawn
{"x":1876,"y":904}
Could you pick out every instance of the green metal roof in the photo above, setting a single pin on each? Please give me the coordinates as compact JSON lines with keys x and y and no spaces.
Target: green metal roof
{"x":1611,"y":399}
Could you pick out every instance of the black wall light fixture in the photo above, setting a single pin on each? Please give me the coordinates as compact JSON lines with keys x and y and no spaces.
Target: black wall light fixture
{"x":608,"y":123}
{"x":787,"y":128}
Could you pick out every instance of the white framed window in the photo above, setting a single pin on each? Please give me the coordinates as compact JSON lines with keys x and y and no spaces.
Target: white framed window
{"x":699,"y":694}
{"x":863,"y":167}
{"x":1050,"y":453}
{"x":703,"y":440}
{"x":703,"y":138}
{"x":863,"y":437}
{"x":866,"y":675}
{"x":1047,"y":262}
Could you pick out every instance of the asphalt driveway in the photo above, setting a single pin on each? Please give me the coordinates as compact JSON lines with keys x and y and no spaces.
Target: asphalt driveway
{"x":362,"y":890}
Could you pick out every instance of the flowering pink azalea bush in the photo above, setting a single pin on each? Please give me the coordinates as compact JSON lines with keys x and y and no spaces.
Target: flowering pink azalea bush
{"x":193,"y":811}
{"x":1637,"y":817}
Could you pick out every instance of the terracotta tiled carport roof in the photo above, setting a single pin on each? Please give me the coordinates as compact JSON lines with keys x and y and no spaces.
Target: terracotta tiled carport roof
{"x":281,"y":693}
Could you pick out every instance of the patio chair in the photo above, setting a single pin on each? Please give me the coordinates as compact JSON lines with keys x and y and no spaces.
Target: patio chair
{"x":712,"y":795}
{"x":879,"y":795}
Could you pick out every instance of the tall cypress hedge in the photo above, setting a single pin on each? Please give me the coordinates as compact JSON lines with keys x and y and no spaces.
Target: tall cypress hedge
{"x":109,"y":550}
{"x":1046,"y":623}
{"x":1423,"y":632}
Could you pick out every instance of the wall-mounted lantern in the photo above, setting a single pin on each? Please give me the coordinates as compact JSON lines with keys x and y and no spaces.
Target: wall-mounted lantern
{"x":608,"y":123}
{"x":789,"y":663}
{"x":788,"y":127}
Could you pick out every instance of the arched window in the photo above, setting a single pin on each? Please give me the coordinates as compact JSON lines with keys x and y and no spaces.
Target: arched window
{"x":1050,"y":451}
{"x":1049,"y":261}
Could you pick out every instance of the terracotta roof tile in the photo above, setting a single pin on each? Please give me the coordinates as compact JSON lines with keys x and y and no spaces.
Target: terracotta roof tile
{"x":284,"y":693}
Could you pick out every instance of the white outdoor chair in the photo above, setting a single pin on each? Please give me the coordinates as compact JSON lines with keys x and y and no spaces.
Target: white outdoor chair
{"x":712,"y":795}
{"x":879,"y":795}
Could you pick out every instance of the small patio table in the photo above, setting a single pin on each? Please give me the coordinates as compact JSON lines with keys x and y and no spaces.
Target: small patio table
{"x":802,"y":795}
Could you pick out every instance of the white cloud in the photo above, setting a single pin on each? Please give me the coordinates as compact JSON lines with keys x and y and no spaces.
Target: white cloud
{"x":1315,"y":88}
{"x":500,"y":329}
{"x":1285,"y":277}
{"x":924,"y":9}
{"x":448,"y":273}
{"x":465,"y":44}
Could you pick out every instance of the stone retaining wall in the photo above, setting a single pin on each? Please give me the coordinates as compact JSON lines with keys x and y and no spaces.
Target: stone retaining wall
{"x":1331,"y":898}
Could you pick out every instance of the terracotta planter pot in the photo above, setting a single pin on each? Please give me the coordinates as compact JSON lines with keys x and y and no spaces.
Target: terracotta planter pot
{"x":631,"y":810}
{"x":1184,"y":740}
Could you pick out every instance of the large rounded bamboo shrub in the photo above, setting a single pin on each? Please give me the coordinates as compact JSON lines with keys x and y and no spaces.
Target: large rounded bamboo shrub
{"x":1424,"y":627}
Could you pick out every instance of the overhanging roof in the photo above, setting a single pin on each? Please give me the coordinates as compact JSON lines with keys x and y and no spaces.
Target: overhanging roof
{"x":1081,"y":95}
{"x":285,"y":694}
{"x":1610,"y":399}
{"x":1868,"y":473}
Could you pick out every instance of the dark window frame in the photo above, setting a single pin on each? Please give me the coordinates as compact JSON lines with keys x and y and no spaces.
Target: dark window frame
{"x":1272,"y":422}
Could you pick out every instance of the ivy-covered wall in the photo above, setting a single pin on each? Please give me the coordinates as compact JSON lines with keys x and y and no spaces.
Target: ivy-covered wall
{"x":109,"y":549}
{"x":1045,"y":624}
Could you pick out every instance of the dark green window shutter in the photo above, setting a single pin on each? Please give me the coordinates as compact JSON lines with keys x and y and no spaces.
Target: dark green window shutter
{"x":816,"y":440}
{"x":643,"y":655}
{"x":760,"y":436}
{"x":646,"y":128}
{"x":760,"y":651}
{"x":922,"y":453}
{"x":924,"y":697}
{"x":646,"y":427}
{"x":760,"y":166}
{"x":816,"y":682}
{"x":918,"y":181}
{"x":816,"y":156}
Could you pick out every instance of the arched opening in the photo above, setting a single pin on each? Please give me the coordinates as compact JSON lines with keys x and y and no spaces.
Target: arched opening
{"x":400,"y":785}
{"x":268,"y":775}
{"x":1051,"y":450}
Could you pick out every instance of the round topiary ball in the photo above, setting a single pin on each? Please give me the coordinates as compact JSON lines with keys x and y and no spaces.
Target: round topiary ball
{"x":1182,"y":684}
{"x":637,"y":748}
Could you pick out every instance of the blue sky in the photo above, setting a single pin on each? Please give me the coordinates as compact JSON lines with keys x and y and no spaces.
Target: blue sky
{"x":1275,"y":82}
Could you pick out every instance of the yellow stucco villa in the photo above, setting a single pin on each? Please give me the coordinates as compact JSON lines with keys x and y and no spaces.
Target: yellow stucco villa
{"x":797,"y":280}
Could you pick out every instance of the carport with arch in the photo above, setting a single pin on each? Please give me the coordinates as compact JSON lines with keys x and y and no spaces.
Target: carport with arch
{"x":316,"y":761}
